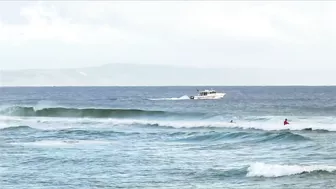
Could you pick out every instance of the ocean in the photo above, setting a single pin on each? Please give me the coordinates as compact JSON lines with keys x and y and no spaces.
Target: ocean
{"x":155,"y":137}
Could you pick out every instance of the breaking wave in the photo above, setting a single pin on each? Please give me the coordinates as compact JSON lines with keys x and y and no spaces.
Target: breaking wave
{"x":77,"y":119}
{"x":276,"y":170}
{"x":265,"y":170}
{"x":80,"y":113}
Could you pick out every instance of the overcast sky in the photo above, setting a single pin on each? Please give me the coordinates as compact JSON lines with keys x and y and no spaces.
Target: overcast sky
{"x":60,"y":34}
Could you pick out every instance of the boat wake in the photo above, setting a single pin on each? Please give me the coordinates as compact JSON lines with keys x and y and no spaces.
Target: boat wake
{"x":184,"y":97}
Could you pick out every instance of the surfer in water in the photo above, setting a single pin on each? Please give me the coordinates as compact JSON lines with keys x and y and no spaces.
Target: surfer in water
{"x":286,"y":122}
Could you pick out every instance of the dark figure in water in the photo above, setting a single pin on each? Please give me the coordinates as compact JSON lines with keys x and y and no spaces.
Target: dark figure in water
{"x":286,"y":122}
{"x":231,"y":121}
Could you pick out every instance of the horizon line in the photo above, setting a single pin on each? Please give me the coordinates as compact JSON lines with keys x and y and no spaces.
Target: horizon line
{"x":63,"y":86}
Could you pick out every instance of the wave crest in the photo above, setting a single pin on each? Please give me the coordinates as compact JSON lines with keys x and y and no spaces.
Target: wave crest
{"x":276,"y":170}
{"x":258,"y":137}
{"x":77,"y":112}
{"x":285,"y":136}
{"x":14,"y":128}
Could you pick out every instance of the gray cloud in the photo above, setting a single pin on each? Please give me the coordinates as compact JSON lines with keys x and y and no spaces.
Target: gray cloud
{"x":260,"y":35}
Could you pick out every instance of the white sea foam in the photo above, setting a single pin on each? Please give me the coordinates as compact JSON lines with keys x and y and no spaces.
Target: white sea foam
{"x":266,"y":123}
{"x":278,"y":170}
{"x":185,"y":97}
{"x":269,"y":125}
{"x":42,"y":104}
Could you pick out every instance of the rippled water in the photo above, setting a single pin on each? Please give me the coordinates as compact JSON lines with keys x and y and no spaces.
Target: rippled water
{"x":154,"y":137}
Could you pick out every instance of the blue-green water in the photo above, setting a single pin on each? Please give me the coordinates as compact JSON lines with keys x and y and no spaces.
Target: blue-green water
{"x":154,"y":137}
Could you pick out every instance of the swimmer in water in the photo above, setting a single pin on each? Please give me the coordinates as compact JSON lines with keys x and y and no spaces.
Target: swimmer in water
{"x":286,"y":122}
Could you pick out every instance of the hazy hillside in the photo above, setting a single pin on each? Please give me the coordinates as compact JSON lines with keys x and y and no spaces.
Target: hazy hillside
{"x":131,"y":74}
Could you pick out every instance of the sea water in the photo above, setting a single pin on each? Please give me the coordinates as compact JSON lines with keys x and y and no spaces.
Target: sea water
{"x":156,"y":137}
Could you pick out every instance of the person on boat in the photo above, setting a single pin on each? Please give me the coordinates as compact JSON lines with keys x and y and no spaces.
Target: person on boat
{"x":286,"y":122}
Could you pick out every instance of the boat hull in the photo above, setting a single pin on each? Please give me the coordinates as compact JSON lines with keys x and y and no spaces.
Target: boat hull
{"x":208,"y":97}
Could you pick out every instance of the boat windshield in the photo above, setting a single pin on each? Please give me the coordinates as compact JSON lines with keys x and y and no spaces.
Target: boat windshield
{"x":207,"y":92}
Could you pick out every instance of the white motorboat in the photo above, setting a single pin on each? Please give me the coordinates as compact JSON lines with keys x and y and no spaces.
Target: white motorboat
{"x":208,"y":94}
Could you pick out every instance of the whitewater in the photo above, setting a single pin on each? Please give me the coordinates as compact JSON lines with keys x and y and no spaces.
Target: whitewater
{"x":155,"y":137}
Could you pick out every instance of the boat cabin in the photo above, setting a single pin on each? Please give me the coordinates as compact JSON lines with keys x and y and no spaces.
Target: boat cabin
{"x":207,"y":92}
